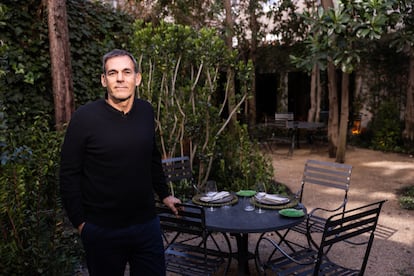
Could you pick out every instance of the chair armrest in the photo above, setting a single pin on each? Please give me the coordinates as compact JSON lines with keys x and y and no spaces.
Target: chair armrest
{"x":315,"y":223}
{"x":311,"y":213}
{"x":313,"y":217}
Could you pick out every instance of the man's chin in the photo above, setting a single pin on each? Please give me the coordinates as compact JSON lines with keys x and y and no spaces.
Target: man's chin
{"x":122,"y":99}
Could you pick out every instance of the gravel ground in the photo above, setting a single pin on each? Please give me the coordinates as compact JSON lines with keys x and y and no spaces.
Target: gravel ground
{"x":375,"y":176}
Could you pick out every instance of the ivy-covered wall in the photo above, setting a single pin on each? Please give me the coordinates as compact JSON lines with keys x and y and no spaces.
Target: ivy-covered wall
{"x":35,"y":238}
{"x":26,"y":87}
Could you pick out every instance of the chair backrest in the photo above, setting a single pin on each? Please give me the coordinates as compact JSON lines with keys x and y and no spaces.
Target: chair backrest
{"x":282,"y":119}
{"x":190,"y":219}
{"x":347,"y":225}
{"x":177,"y":169}
{"x":326,"y":175}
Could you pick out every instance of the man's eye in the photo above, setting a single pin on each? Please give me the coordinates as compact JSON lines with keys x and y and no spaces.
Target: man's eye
{"x":111,"y":73}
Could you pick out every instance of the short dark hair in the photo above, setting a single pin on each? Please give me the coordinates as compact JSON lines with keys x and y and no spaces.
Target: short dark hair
{"x":118,"y":53}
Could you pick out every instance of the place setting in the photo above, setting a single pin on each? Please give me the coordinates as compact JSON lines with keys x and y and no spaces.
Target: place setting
{"x":213,"y":198}
{"x":287,"y":206}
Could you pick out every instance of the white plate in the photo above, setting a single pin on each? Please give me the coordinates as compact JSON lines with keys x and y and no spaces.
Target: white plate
{"x":271,"y":199}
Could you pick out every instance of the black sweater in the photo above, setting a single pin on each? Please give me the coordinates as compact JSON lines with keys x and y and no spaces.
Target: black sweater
{"x":110,"y":166}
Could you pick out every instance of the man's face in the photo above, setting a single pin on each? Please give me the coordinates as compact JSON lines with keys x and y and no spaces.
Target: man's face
{"x":120,"y":79}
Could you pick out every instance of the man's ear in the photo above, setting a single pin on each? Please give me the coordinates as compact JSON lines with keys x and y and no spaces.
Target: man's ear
{"x":103,"y":80}
{"x":138,"y":79}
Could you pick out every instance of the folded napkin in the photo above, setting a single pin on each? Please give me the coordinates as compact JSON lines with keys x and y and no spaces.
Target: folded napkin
{"x":217,"y":196}
{"x":274,"y":199}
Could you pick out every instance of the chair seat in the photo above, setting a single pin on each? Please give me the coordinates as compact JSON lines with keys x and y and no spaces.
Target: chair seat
{"x":317,"y":225}
{"x":283,"y":266}
{"x":189,"y":260}
{"x":191,"y":249}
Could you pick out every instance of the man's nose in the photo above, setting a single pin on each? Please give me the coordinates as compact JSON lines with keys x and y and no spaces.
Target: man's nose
{"x":120,"y":76}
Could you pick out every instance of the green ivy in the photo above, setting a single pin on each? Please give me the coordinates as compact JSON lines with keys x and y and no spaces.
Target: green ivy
{"x":94,"y":30}
{"x":26,"y":87}
{"x":36,"y":240}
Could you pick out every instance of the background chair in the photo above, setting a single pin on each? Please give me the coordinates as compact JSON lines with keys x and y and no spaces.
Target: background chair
{"x":193,"y":250}
{"x":179,"y":176}
{"x":358,"y":224}
{"x":321,"y":177}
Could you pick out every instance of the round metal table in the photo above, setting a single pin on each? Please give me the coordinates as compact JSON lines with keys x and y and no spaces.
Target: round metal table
{"x":239,"y":223}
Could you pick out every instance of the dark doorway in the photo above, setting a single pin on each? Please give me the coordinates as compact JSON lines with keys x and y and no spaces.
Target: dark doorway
{"x":299,"y":99}
{"x":267,"y":85}
{"x":266,"y":95}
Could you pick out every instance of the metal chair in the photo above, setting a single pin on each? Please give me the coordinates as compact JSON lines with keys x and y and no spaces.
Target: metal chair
{"x":193,"y":250}
{"x":357,"y":224}
{"x":318,"y":177}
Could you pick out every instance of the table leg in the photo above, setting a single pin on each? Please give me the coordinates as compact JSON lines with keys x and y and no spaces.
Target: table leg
{"x":293,"y":141}
{"x":242,"y":254}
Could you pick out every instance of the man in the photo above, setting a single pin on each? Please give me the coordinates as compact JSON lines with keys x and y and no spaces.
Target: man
{"x":110,"y":168}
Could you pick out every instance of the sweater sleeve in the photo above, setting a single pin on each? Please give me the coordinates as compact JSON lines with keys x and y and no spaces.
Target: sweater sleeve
{"x":70,"y":174}
{"x":158,"y":177}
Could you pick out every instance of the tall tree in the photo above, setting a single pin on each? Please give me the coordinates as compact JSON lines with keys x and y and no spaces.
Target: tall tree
{"x":408,"y":133}
{"x":404,"y":42}
{"x":338,"y":38}
{"x":229,"y":33}
{"x":315,"y":95}
{"x":254,"y":10}
{"x":255,"y":13}
{"x":60,"y":62}
{"x":333,"y":97}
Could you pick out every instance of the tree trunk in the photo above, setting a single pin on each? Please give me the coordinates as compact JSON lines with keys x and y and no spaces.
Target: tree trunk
{"x":333,"y":111}
{"x":333,"y":99}
{"x":254,"y":26}
{"x":282,"y":100}
{"x":313,"y":98}
{"x":408,"y":133}
{"x":60,"y":62}
{"x":230,"y":71}
{"x":327,"y":4}
{"x":252,"y":102}
{"x":318,"y":96}
{"x":343,"y":126}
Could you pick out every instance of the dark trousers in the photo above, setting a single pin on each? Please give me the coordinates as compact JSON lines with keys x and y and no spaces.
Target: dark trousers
{"x":109,"y":250}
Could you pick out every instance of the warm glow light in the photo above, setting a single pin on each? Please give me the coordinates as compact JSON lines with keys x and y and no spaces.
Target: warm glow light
{"x":356,"y":128}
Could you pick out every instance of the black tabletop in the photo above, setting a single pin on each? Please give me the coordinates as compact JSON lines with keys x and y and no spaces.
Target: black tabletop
{"x":236,"y":220}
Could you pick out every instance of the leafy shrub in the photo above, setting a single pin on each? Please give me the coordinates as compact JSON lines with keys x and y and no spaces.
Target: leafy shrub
{"x":189,"y":114}
{"x":406,"y":198}
{"x":239,"y":163}
{"x":386,"y":128}
{"x":35,"y":238}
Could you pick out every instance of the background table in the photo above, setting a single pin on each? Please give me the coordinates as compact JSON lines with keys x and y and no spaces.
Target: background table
{"x":240,"y":223}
